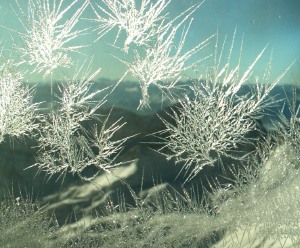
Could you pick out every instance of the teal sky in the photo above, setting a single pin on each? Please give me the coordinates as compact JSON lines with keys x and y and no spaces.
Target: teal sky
{"x":261,"y":22}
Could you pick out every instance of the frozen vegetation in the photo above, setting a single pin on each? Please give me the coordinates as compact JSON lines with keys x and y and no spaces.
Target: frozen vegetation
{"x":253,"y":203}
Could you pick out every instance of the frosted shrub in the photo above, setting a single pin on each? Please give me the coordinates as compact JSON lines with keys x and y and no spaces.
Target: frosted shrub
{"x":206,"y":126}
{"x":18,"y":113}
{"x":46,"y":43}
{"x":141,"y":25}
{"x":47,"y":34}
{"x":289,"y":127}
{"x":150,"y":34}
{"x":64,"y":144}
{"x":209,"y":125}
{"x":163,"y":64}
